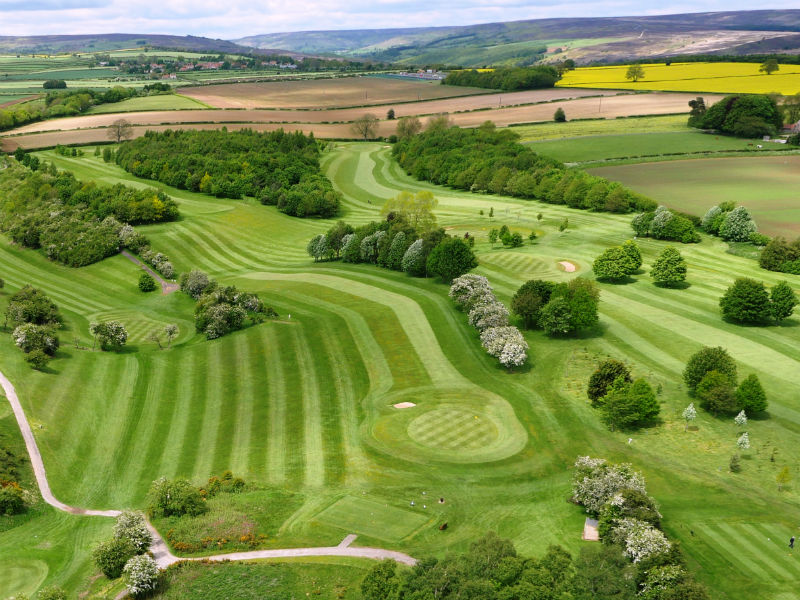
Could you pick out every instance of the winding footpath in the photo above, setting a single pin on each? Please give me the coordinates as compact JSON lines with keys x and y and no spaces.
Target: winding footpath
{"x":166,"y":286}
{"x":159,"y":548}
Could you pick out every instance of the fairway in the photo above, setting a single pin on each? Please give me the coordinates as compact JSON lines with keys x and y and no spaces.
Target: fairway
{"x":718,"y":77}
{"x":765,"y":185}
{"x":374,"y":519}
{"x":305,"y":404}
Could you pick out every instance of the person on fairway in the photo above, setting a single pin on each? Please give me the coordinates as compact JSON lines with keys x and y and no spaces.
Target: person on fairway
{"x":791,"y":542}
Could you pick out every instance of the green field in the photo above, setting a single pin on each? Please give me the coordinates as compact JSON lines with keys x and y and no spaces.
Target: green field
{"x":592,"y":127}
{"x":765,"y":185}
{"x":158,"y":102}
{"x":304,"y":403}
{"x":644,"y":145}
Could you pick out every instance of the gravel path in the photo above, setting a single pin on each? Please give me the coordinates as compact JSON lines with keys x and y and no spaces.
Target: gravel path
{"x":167,"y":287}
{"x":159,"y":549}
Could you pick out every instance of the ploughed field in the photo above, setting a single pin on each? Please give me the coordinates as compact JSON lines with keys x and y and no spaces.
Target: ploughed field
{"x":766,"y":185}
{"x":304,"y":404}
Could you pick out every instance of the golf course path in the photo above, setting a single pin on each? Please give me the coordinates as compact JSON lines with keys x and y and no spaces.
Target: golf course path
{"x":159,"y":548}
{"x":166,"y":286}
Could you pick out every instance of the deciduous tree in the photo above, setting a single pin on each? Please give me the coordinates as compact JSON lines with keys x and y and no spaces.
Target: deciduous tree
{"x":120,"y":130}
{"x":705,"y":360}
{"x":750,"y":395}
{"x":669,"y":269}
{"x":782,"y":300}
{"x":746,"y":301}
{"x":606,"y":373}
{"x":365,"y":127}
{"x":635,"y":73}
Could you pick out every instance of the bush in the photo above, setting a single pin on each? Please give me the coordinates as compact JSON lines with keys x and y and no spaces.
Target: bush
{"x":629,"y":404}
{"x":110,"y":556}
{"x":607,"y":373}
{"x":37,"y":359}
{"x":140,"y":575}
{"x":742,"y":115}
{"x":31,"y":305}
{"x":112,"y":335}
{"x":716,"y":393}
{"x":12,"y":500}
{"x":750,"y":396}
{"x":177,"y":497}
{"x":133,"y":527}
{"x":146,"y":283}
{"x":560,"y":116}
{"x":51,"y":593}
{"x":29,"y":337}
{"x":706,"y":360}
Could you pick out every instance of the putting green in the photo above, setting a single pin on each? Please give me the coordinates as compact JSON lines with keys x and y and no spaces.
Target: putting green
{"x":373,"y":519}
{"x":453,"y":428}
{"x":20,"y":576}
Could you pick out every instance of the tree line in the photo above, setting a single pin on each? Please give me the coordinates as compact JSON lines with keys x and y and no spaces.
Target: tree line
{"x":508,"y":79}
{"x":74,"y":223}
{"x":276,"y":167}
{"x":490,"y":160}
{"x":742,"y":115}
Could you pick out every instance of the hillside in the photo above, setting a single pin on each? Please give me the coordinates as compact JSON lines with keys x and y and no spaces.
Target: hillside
{"x":523,"y":42}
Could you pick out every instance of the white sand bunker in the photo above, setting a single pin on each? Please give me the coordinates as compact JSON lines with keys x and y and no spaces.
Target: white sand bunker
{"x":404,"y":405}
{"x":568,"y":266}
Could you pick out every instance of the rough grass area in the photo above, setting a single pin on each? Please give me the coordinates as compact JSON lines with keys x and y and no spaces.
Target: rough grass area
{"x":332,"y":579}
{"x":765,"y":185}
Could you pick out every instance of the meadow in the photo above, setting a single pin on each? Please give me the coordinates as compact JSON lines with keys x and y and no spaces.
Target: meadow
{"x":718,"y":77}
{"x":158,"y":102}
{"x":304,"y":403}
{"x":765,"y":185}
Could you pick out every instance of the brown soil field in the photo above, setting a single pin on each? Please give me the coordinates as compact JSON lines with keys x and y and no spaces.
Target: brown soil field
{"x":86,"y":129}
{"x":17,"y":101}
{"x":324,"y":93}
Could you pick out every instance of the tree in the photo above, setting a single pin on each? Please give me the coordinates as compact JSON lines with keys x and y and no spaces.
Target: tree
{"x":737,"y":226}
{"x":635,"y":73}
{"x":769,"y":66}
{"x":705,"y":360}
{"x":669,"y":269}
{"x":451,"y":258}
{"x":381,"y":581}
{"x":746,"y":301}
{"x":488,"y":314}
{"x":782,"y":301}
{"x":133,"y":527}
{"x":506,"y":344}
{"x":602,"y":572}
{"x":750,"y":396}
{"x":529,"y":300}
{"x":336,"y":235}
{"x":110,"y":556}
{"x":608,"y":372}
{"x":171,"y":332}
{"x":689,"y":414}
{"x":195,"y":283}
{"x":614,"y":264}
{"x":493,"y":235}
{"x":417,"y":209}
{"x":740,"y":419}
{"x":470,"y":290}
{"x":632,"y":250}
{"x":37,"y":359}
{"x":365,"y":126}
{"x":560,"y":116}
{"x":112,"y":335}
{"x":120,"y":130}
{"x":413,"y":261}
{"x":735,"y":464}
{"x":629,"y":404}
{"x":12,"y":499}
{"x":140,"y":575}
{"x":408,"y":127}
{"x":743,"y":443}
{"x":146,"y":282}
{"x":716,"y":393}
{"x":318,"y":247}
{"x":176,"y":497}
{"x":390,"y":114}
{"x":783,"y":478}
{"x":556,"y":317}
{"x":397,"y":250}
{"x":698,"y":106}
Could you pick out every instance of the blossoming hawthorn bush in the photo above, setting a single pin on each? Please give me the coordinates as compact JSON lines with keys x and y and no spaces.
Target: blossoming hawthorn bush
{"x":140,"y":575}
{"x":505,"y":344}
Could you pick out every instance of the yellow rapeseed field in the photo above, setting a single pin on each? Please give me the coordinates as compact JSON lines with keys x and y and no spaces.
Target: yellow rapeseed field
{"x":722,"y":77}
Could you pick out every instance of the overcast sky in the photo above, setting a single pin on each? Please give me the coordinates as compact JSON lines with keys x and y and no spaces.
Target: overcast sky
{"x":230,"y":19}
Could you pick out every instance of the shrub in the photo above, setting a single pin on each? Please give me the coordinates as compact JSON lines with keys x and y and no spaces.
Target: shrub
{"x":750,"y":396}
{"x":632,"y":250}
{"x":176,"y":497}
{"x":146,"y":283}
{"x":52,"y":593}
{"x":31,"y":305}
{"x":469,"y":290}
{"x":112,"y":335}
{"x":560,"y":116}
{"x":489,"y":314}
{"x":37,"y":359}
{"x":132,"y":526}
{"x":629,"y":404}
{"x":705,"y":360}
{"x":12,"y":500}
{"x":506,"y":344}
{"x":746,"y":301}
{"x":110,"y":556}
{"x":140,"y":575}
{"x":29,"y":337}
{"x":607,"y":373}
{"x":716,"y":393}
{"x":595,"y":481}
{"x":782,"y":301}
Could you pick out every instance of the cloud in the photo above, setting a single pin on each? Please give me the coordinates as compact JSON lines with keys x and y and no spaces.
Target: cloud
{"x":239,"y":18}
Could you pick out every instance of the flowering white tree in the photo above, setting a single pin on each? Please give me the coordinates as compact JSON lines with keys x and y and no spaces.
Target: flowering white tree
{"x":642,"y":540}
{"x":140,"y":574}
{"x":661,"y":579}
{"x":689,"y":414}
{"x":595,"y":481}
{"x":491,"y":314}
{"x":112,"y":334}
{"x":318,"y":247}
{"x":740,"y":419}
{"x":413,"y":261}
{"x":505,"y":344}
{"x":743,"y":442}
{"x":469,"y":289}
{"x":132,"y":526}
{"x":737,"y":225}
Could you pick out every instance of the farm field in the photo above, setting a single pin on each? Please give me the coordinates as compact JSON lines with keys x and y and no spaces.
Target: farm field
{"x":145,"y":103}
{"x":596,"y":127}
{"x":260,"y":401}
{"x":653,"y":145}
{"x":690,"y":77}
{"x":765,"y":185}
{"x":75,"y":130}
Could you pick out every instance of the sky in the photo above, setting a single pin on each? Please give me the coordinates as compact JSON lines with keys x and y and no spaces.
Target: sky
{"x":233,"y":19}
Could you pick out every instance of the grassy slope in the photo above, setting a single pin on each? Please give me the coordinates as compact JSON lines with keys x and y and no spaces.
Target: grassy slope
{"x":159,"y":102}
{"x":303,"y":403}
{"x":591,"y":127}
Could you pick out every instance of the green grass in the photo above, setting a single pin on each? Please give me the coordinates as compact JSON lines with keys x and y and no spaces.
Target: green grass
{"x":653,"y":146}
{"x":158,"y":102}
{"x":592,"y":127}
{"x":765,"y":185}
{"x":303,"y":404}
{"x":374,"y":519}
{"x":329,"y":579}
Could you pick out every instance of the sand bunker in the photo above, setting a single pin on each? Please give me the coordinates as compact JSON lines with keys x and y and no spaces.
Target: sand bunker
{"x":568,"y":266}
{"x":404,"y":405}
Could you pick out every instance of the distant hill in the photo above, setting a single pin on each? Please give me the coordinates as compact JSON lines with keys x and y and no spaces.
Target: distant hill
{"x":45,"y":44}
{"x":524,"y":42}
